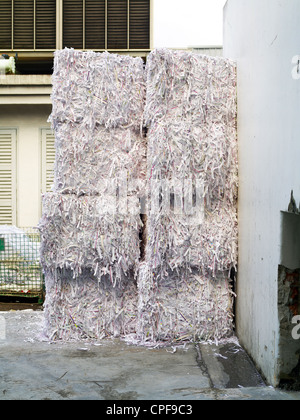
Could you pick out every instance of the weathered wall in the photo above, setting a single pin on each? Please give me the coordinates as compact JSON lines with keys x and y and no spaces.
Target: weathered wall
{"x":288,"y":308}
{"x":28,"y":120}
{"x":262,"y":36}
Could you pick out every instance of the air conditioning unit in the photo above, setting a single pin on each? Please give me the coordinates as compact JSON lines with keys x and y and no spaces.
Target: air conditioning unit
{"x":8,"y":66}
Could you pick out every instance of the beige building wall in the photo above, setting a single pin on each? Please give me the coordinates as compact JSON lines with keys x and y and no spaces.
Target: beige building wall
{"x":28,"y":121}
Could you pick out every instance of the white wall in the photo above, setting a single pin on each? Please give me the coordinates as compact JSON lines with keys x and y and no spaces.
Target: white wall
{"x":263,"y":37}
{"x":28,"y":120}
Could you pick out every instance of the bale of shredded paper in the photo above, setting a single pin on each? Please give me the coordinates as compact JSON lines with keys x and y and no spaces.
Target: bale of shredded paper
{"x":84,"y":309}
{"x":87,"y":232}
{"x":185,"y":86}
{"x":88,"y":160}
{"x":183,"y":306}
{"x":190,"y":112}
{"x":178,"y":241}
{"x":192,"y":161}
{"x":97,"y":88}
{"x":90,"y":227}
{"x":204,"y":152}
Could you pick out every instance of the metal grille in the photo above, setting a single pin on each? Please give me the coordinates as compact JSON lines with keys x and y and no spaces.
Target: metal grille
{"x":37,"y":25}
{"x":117,"y":24}
{"x":27,"y":24}
{"x":23,"y":24}
{"x":139,"y":19}
{"x":95,"y":15}
{"x":73,"y":23}
{"x":45,"y":24}
{"x":20,"y":270}
{"x":5,"y":24}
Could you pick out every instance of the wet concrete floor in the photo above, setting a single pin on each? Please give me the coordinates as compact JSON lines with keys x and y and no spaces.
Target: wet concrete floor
{"x":32,"y":369}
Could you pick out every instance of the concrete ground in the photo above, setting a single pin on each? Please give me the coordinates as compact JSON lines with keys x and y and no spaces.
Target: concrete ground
{"x":32,"y":369}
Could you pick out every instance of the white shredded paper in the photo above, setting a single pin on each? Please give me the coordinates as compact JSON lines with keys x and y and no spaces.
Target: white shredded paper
{"x":91,"y":221}
{"x":99,"y":283}
{"x":94,"y":161}
{"x":79,"y":233}
{"x":183,"y":306}
{"x":84,"y":309}
{"x":97,"y":88}
{"x":192,"y":179}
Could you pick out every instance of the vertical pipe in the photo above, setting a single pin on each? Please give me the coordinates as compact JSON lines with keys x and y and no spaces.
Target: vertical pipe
{"x":34,"y":25}
{"x":12,"y":24}
{"x":151,"y":35}
{"x":59,"y":24}
{"x":106,"y":20}
{"x":83,"y":25}
{"x":128,"y":24}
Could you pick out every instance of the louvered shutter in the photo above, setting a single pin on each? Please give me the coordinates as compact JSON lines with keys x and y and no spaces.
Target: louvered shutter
{"x":8,"y":211}
{"x":139,"y":24}
{"x":45,"y":24}
{"x":95,"y":24}
{"x":23,"y":24}
{"x":117,"y":19}
{"x":5,"y":24}
{"x":73,"y":24}
{"x":48,"y":159}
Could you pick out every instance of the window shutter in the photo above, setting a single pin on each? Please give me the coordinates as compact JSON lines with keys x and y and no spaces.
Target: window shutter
{"x":48,"y":159}
{"x":8,"y":211}
{"x":95,"y":24}
{"x":73,"y":24}
{"x":45,"y":24}
{"x":5,"y":24}
{"x":23,"y":24}
{"x":139,"y":23}
{"x":117,"y":18}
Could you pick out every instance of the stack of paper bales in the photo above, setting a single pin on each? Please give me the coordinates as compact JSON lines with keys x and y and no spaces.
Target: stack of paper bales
{"x":98,"y":282}
{"x":91,"y":220}
{"x":184,"y":289}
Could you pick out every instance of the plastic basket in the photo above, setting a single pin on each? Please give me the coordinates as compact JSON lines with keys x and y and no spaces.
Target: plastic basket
{"x":20,"y":270}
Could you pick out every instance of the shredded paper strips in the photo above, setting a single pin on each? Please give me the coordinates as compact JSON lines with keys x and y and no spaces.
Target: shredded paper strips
{"x":85,"y":309}
{"x":89,"y":161}
{"x":192,"y":179}
{"x":139,"y":234}
{"x":92,"y":88}
{"x":77,"y":234}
